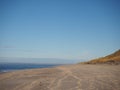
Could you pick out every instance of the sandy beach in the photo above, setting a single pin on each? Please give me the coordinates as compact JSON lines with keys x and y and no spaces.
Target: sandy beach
{"x":69,"y":77}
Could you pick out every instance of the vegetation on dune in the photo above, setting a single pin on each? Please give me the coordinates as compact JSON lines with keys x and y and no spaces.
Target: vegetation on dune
{"x":110,"y":59}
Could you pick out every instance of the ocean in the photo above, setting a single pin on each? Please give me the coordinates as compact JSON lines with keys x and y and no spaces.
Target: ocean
{"x":7,"y":67}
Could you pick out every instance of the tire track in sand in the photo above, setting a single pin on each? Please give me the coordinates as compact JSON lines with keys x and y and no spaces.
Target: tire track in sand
{"x":66,"y":73}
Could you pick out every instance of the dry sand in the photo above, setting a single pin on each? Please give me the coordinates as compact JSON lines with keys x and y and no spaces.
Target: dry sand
{"x":69,"y":77}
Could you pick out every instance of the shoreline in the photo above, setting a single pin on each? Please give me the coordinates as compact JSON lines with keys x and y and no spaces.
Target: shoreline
{"x":11,"y":67}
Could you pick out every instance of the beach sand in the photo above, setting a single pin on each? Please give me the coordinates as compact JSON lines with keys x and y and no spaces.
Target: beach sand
{"x":68,"y":77}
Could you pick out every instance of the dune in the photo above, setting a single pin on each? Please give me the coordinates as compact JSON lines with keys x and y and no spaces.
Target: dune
{"x":109,"y":59}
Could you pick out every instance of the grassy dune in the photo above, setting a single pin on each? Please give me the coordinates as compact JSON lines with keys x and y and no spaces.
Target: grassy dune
{"x":110,"y":59}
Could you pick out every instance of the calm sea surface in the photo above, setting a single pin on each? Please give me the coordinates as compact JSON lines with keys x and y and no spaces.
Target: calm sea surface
{"x":6,"y":67}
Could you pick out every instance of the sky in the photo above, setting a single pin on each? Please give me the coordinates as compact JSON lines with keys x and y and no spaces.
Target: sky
{"x":62,"y":29}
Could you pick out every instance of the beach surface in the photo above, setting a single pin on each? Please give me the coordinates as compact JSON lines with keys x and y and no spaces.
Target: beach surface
{"x":67,"y":77}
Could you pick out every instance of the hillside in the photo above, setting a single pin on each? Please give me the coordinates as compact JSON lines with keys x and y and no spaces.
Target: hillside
{"x":110,"y":59}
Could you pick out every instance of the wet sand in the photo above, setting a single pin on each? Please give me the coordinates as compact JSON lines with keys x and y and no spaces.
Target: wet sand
{"x":69,"y":77}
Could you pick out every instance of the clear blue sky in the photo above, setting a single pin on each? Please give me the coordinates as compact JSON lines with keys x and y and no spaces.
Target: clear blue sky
{"x":69,"y":29}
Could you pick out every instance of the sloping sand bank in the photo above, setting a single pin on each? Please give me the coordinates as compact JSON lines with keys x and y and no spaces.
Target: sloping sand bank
{"x":69,"y":77}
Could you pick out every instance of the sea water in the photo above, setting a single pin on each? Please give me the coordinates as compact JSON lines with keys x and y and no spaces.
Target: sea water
{"x":7,"y":67}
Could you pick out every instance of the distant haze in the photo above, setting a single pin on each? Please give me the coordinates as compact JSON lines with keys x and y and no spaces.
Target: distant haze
{"x":39,"y":60}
